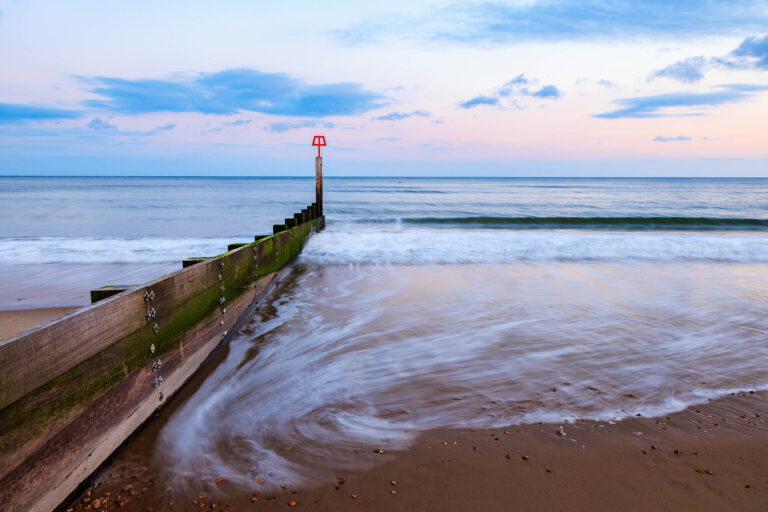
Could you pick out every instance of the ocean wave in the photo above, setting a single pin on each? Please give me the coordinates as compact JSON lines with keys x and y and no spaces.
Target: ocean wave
{"x":624,"y":223}
{"x":423,"y":246}
{"x":36,"y":250}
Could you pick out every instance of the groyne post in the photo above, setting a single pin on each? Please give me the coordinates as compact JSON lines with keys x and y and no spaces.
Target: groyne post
{"x":319,"y":141}
{"x":319,"y":185}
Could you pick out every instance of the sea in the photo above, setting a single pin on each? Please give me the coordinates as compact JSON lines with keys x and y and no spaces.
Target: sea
{"x":425,"y":303}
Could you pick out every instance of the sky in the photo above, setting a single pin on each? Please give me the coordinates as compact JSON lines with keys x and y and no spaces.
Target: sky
{"x":398,"y":88}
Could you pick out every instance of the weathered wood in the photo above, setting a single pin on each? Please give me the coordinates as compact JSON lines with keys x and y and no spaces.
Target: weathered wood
{"x":319,"y":185}
{"x":290,"y":223}
{"x":54,"y":434}
{"x":84,"y":443}
{"x":107,"y":291}
{"x":276,"y":228}
{"x":232,"y":247}
{"x":174,"y":303}
{"x":193,"y":261}
{"x":32,"y":359}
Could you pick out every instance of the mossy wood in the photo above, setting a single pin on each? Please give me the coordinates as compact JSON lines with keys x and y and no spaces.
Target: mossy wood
{"x":74,"y":389}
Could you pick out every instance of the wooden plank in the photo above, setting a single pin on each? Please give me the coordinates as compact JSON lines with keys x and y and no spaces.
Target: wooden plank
{"x":56,"y":468}
{"x":193,"y":261}
{"x":53,"y":436}
{"x":107,"y":291}
{"x":36,"y":357}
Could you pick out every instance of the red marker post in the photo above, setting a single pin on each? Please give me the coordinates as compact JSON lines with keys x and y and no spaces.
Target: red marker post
{"x":319,"y":141}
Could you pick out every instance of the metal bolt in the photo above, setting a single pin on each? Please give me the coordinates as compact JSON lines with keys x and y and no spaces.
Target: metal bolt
{"x":151,"y":313}
{"x":159,"y":363}
{"x":222,"y":323}
{"x":152,"y":348}
{"x":155,"y":382}
{"x":221,"y":264}
{"x":156,"y":328}
{"x":154,"y":367}
{"x":221,"y":301}
{"x":224,"y":334}
{"x":146,"y":296}
{"x":219,"y":277}
{"x":221,"y":289}
{"x":161,"y":396}
{"x":224,"y":310}
{"x":151,"y":294}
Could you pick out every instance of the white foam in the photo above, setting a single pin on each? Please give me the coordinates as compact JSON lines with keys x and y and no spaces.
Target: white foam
{"x":107,"y":250}
{"x":346,"y":243}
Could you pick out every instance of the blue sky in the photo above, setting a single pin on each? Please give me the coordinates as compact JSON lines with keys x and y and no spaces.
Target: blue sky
{"x":526,"y":87}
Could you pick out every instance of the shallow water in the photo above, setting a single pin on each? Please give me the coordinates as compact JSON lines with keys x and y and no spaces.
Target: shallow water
{"x":356,"y":355}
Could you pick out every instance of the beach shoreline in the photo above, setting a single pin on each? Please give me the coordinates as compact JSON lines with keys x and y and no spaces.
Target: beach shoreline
{"x":712,"y":456}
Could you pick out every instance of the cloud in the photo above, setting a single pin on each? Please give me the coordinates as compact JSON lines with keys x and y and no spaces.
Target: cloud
{"x":95,"y":131}
{"x":671,"y":139}
{"x":744,"y":87}
{"x":754,"y":50}
{"x":479,"y":100}
{"x":99,"y":125}
{"x":17,"y":112}
{"x":557,"y":20}
{"x":517,"y":87}
{"x":387,"y":139}
{"x":548,"y":91}
{"x":230,"y":91}
{"x":513,"y":86}
{"x":295,"y":125}
{"x":607,"y":83}
{"x":107,"y":128}
{"x":690,"y":70}
{"x":653,"y":106}
{"x":752,"y":53}
{"x":396,"y":116}
{"x":239,"y":122}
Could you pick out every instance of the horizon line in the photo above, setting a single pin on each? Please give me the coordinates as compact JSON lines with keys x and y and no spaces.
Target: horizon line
{"x":380,"y":176}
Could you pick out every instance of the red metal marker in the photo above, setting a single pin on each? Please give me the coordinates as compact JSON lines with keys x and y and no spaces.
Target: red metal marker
{"x":319,"y":141}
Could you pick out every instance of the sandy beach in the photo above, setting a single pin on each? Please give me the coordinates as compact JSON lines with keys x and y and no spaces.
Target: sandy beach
{"x":15,"y":321}
{"x":708,"y":457}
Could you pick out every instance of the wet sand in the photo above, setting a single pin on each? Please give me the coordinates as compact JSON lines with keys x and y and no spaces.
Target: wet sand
{"x":15,"y":321}
{"x":708,"y":457}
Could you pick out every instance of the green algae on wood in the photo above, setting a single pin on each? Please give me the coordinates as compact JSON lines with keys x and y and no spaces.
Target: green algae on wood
{"x":37,"y":415}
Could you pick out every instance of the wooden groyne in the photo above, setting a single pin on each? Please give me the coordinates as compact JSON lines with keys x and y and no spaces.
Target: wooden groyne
{"x":74,"y":389}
